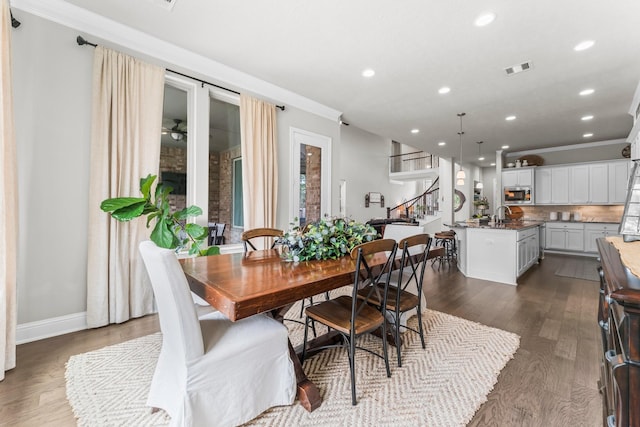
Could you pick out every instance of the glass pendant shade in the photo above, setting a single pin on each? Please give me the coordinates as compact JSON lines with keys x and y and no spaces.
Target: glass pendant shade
{"x":460,"y":181}
{"x":479,"y":186}
{"x":461,"y":174}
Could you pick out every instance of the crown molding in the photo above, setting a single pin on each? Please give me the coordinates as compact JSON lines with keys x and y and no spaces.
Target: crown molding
{"x":90,"y":23}
{"x":567,"y":147}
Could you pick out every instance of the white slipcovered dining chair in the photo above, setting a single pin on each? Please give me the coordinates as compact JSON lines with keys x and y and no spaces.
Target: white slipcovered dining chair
{"x":211,"y":371}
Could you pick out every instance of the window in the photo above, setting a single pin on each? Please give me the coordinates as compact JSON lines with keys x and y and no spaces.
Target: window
{"x":237,"y":213}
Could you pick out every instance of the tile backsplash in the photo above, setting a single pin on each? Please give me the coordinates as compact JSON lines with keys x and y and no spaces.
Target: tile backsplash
{"x":589,"y":213}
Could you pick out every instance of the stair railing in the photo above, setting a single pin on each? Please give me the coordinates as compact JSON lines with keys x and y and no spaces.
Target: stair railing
{"x":428,"y":199}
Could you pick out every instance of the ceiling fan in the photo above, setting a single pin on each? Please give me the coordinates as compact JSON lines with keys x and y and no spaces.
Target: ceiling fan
{"x":178,"y":132}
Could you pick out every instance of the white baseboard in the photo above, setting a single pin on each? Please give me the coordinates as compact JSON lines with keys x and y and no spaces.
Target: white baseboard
{"x":47,"y":328}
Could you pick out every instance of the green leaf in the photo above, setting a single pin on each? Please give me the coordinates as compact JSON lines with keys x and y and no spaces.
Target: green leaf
{"x":211,"y":250}
{"x":196,"y":231}
{"x":129,"y":212}
{"x":145,"y":185}
{"x":188,"y":212}
{"x":110,"y":205}
{"x":162,"y":235}
{"x":151,"y":217}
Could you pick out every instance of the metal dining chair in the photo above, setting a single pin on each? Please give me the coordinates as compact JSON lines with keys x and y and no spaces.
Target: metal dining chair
{"x":405,"y":287}
{"x":353,"y":316}
{"x":216,"y":233}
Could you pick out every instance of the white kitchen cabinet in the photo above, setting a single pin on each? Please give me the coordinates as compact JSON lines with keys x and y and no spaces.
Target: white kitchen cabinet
{"x":618,"y":181}
{"x":598,"y":183}
{"x":579,"y":184}
{"x":560,"y":185}
{"x":528,"y":249}
{"x":596,"y":230}
{"x":543,"y":186}
{"x":565,"y":236}
{"x":520,"y":177}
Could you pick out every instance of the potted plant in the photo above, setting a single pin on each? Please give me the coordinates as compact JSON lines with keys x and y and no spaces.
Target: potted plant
{"x":329,"y":238}
{"x":171,"y":230}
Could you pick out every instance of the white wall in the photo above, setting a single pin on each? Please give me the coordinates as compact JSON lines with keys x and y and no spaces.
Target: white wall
{"x":364,"y":165}
{"x":446,"y":185}
{"x":293,"y":117}
{"x":489,"y":180}
{"x":52,"y":91}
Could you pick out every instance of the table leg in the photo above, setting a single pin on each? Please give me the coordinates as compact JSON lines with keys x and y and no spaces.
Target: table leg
{"x":308,"y":393}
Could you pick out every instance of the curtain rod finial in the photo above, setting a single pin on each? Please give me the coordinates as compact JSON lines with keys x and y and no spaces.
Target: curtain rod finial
{"x":81,"y":42}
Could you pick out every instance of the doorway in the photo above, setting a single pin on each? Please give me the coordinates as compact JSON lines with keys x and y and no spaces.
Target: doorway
{"x":310,"y":176}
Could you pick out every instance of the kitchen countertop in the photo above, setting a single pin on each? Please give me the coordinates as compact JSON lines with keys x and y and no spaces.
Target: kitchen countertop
{"x":516,"y":225}
{"x":584,"y":222}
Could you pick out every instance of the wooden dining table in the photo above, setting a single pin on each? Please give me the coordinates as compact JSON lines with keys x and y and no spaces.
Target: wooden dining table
{"x":244,"y":284}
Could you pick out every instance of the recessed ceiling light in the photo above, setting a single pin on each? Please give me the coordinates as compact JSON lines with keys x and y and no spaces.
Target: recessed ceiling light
{"x":480,"y":158}
{"x":585,"y":118}
{"x":444,"y":89}
{"x":584,"y":45}
{"x":586,"y":92}
{"x":415,"y":130}
{"x":510,"y":118}
{"x":441,"y":143}
{"x":587,"y":135}
{"x":368,"y":73}
{"x":492,"y":164}
{"x":485,"y":19}
{"x":504,"y":147}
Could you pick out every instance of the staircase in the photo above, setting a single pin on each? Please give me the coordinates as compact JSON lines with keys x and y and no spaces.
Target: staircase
{"x":423,"y":204}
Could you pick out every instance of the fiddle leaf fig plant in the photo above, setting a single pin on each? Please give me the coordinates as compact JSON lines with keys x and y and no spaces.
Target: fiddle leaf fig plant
{"x":171,"y":230}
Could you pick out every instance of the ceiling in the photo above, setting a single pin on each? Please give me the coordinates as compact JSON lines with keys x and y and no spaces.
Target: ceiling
{"x":224,"y":120}
{"x":319,"y":49}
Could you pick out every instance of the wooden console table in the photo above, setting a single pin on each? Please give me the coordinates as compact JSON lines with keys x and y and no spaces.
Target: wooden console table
{"x":619,"y":320}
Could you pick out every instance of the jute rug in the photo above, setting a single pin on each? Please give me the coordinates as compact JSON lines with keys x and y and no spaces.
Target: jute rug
{"x":443,"y":385}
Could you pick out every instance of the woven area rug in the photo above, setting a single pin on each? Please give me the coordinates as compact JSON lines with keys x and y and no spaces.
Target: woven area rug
{"x":443,"y":385}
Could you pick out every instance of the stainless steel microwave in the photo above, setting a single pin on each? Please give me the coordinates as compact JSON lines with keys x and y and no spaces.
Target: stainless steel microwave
{"x":518,"y":195}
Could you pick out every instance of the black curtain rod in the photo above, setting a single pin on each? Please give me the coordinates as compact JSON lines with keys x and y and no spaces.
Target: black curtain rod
{"x":81,"y":42}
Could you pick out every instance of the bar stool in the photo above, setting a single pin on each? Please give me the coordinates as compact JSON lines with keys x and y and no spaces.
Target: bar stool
{"x":446,"y":239}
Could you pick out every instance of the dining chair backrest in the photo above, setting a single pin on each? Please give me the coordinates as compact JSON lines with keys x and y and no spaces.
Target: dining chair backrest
{"x":415,"y":251}
{"x":178,"y":318}
{"x":255,"y":233}
{"x":216,"y":233}
{"x":370,"y":273}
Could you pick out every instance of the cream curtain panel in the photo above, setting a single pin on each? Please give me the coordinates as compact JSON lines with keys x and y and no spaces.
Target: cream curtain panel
{"x":125,"y":146}
{"x":8,"y":204}
{"x":259,"y":162}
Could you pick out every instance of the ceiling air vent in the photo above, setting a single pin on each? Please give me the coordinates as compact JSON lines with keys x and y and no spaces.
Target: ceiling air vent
{"x":165,"y":4}
{"x":515,"y":69}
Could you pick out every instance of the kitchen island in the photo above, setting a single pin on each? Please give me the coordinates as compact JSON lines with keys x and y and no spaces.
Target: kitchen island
{"x":500,"y":253}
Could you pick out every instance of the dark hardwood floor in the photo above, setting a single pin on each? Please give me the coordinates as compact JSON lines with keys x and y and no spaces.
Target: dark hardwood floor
{"x":550,"y":382}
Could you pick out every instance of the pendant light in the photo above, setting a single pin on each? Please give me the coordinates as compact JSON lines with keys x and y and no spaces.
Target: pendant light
{"x":479,"y":185}
{"x":460,"y":176}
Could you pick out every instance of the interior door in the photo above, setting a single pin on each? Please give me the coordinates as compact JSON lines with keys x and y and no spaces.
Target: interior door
{"x":310,"y":176}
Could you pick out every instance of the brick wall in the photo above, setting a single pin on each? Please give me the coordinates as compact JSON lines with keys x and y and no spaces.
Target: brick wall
{"x":174,"y":159}
{"x":313,"y":183}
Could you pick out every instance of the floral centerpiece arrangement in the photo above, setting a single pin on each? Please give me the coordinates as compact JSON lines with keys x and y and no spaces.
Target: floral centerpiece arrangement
{"x":329,"y":238}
